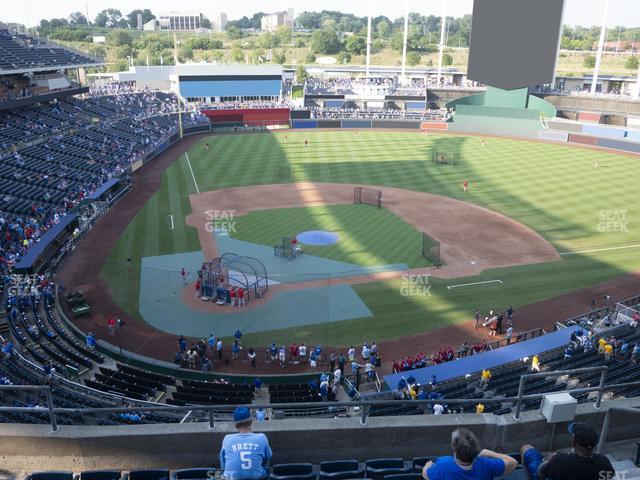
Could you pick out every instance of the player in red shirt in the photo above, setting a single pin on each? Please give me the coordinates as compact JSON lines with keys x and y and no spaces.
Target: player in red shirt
{"x":198,"y":286}
{"x":241,"y":297}
{"x":232,"y":294}
{"x":465,"y":185}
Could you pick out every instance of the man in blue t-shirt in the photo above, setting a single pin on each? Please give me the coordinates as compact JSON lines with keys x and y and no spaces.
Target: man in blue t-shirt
{"x":469,"y":461}
{"x":244,"y":455}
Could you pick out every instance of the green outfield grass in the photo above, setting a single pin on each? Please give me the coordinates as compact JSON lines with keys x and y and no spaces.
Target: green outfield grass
{"x":554,"y":189}
{"x":368,"y":236}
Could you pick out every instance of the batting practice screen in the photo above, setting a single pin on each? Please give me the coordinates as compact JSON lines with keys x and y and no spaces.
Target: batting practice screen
{"x":367,"y":196}
{"x":431,"y":249}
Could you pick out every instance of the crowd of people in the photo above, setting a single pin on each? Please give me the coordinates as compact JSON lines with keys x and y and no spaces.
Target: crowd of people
{"x":246,"y":455}
{"x":375,"y":113}
{"x":14,"y":87}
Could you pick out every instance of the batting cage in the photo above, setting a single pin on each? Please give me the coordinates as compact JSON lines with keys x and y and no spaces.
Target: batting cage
{"x":285,"y":249}
{"x":446,"y":158}
{"x":431,"y":249}
{"x":232,"y":270}
{"x":368,"y":196}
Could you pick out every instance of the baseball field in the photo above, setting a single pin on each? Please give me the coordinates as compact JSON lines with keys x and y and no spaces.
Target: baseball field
{"x":581,"y":201}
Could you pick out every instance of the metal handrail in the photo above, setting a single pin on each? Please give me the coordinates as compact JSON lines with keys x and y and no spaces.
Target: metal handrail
{"x":523,"y":379}
{"x":607,"y":420}
{"x":210,"y":410}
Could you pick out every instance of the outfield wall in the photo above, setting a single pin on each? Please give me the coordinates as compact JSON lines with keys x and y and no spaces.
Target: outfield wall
{"x":249,"y":116}
{"x":623,"y":139}
{"x":356,"y":123}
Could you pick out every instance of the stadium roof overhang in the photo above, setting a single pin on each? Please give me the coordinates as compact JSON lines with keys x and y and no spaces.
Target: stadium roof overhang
{"x":49,"y":68}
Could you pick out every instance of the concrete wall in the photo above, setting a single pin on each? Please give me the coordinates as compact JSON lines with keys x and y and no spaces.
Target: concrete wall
{"x":29,"y":447}
{"x":620,"y":106}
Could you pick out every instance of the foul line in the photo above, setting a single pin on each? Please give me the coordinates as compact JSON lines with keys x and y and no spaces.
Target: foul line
{"x":192,"y":175}
{"x":607,"y":249}
{"x":171,"y":218}
{"x":450,"y":287}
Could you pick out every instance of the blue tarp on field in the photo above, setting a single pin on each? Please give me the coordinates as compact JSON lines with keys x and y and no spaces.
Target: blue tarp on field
{"x":491,"y":359}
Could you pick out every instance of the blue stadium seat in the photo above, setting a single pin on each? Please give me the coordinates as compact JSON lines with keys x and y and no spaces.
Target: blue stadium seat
{"x":194,"y":473}
{"x":149,"y":475}
{"x":379,"y":467}
{"x":404,"y":476}
{"x":53,"y":475}
{"x":293,"y":471}
{"x":340,"y":469}
{"x":101,"y":475}
{"x":419,"y":463}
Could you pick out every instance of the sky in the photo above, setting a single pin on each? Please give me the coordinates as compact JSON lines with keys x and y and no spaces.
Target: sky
{"x":577,"y":12}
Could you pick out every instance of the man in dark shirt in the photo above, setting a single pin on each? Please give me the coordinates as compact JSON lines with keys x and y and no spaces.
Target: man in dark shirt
{"x":581,"y":464}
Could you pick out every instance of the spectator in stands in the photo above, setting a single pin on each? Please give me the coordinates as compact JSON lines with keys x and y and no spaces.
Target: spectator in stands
{"x":535,"y":363}
{"x":480,"y":408}
{"x":244,"y":455}
{"x":485,"y":376}
{"x":469,"y":461}
{"x":91,"y":341}
{"x":581,"y":464}
{"x":608,"y":351}
{"x":49,"y":370}
{"x":568,"y":351}
{"x":635,"y":353}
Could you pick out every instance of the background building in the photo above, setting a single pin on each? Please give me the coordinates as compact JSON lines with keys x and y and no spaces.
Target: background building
{"x":271,"y":22}
{"x":176,"y":21}
{"x":219,"y":22}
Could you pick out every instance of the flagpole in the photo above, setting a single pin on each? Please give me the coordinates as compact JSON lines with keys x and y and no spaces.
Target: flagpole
{"x":406,"y":35}
{"x":603,"y":38}
{"x":369,"y":38}
{"x":443,"y":24}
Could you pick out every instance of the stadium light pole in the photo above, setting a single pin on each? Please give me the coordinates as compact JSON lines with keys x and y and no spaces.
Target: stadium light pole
{"x":369,"y":38}
{"x":443,"y":28}
{"x":404,"y":41}
{"x":603,"y":37}
{"x":555,"y":63}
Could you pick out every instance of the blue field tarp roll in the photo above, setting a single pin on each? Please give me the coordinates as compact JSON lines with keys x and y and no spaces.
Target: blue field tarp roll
{"x":606,"y":132}
{"x":304,"y":124}
{"x":619,"y":145}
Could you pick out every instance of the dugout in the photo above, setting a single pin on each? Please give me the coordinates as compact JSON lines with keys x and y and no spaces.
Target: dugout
{"x":233,"y":270}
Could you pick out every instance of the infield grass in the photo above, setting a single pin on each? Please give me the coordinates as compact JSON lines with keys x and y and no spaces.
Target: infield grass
{"x":368,"y":236}
{"x":553,"y":189}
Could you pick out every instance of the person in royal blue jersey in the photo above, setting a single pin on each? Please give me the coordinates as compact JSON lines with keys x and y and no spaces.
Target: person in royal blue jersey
{"x":244,"y":455}
{"x":469,"y":461}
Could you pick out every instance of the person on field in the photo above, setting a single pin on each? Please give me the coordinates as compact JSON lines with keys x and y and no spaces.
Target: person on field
{"x":465,"y":186}
{"x":244,"y":455}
